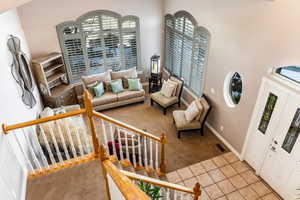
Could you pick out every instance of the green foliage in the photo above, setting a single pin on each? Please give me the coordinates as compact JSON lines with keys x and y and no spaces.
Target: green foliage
{"x":152,"y":192}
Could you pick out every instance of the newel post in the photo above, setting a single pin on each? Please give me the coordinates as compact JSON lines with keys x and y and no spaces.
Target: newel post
{"x":197,"y":191}
{"x":89,"y":111}
{"x":162,"y":166}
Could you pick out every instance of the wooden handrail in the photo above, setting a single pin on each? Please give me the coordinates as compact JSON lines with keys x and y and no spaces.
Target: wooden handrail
{"x":7,"y":128}
{"x":158,"y":182}
{"x":123,"y":125}
{"x":125,"y":185}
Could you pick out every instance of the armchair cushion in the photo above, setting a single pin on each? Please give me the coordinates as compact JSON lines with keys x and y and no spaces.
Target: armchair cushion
{"x":192,"y":111}
{"x":182,"y":123}
{"x":162,"y":100}
{"x":168,"y":89}
{"x":205,"y":109}
{"x":180,"y":85}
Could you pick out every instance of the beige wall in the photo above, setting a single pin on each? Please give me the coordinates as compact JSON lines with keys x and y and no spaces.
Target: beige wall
{"x":40,"y":17}
{"x":12,"y":110}
{"x":248,"y":36}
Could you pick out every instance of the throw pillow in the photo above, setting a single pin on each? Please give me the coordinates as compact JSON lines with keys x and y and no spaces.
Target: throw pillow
{"x":176,"y":86}
{"x":99,"y":89}
{"x":167,"y":89}
{"x":90,"y":87}
{"x":200,"y":107}
{"x":191,"y":112}
{"x":117,"y":86}
{"x":134,"y":84}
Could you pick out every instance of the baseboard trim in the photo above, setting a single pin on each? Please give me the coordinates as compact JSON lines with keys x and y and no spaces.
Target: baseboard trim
{"x":227,"y":144}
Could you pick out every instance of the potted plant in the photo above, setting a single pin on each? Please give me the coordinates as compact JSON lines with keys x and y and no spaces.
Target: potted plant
{"x":151,"y":191}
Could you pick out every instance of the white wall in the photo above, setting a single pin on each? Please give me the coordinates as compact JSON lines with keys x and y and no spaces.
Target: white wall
{"x":40,"y":17}
{"x":12,"y":109}
{"x":247,"y":36}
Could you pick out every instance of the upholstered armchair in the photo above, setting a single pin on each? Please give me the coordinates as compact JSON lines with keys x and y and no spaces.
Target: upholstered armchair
{"x":165,"y":102}
{"x":182,"y":124}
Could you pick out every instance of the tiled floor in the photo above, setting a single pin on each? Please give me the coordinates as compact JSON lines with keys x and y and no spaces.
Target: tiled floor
{"x":224,"y":178}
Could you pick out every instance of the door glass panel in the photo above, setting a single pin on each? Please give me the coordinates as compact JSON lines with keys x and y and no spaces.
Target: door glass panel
{"x":293,"y":133}
{"x":267,"y":114}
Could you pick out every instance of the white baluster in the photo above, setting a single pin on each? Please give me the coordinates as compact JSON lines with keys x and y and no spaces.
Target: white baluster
{"x":55,"y":142}
{"x":145,"y":152}
{"x":126,"y":144}
{"x":156,"y":156}
{"x":151,"y":153}
{"x":30,"y":147}
{"x":112,"y":139}
{"x":69,"y":134}
{"x":181,"y":196}
{"x":140,"y":150}
{"x":37,"y":143}
{"x":168,"y":194}
{"x":133,"y":150}
{"x":29,"y":165}
{"x":87,"y":140}
{"x":104,"y":133}
{"x":175,"y":195}
{"x":53,"y":162}
{"x":79,"y":142}
{"x":120,"y":144}
{"x":62,"y":139}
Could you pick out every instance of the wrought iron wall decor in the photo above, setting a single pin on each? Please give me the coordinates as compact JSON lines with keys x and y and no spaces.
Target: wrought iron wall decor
{"x":21,"y":71}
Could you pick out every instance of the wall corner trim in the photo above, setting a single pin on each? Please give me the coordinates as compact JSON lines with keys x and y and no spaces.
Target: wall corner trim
{"x":227,"y":144}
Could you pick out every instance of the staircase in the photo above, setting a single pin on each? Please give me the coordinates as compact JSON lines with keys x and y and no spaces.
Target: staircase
{"x":129,"y":156}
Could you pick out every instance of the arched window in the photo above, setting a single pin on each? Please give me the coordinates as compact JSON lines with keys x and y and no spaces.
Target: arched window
{"x":98,"y":41}
{"x":186,"y":49}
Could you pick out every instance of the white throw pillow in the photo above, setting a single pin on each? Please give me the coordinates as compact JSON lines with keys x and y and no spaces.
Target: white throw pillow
{"x":176,"y":86}
{"x":191,"y":112}
{"x":167,"y":89}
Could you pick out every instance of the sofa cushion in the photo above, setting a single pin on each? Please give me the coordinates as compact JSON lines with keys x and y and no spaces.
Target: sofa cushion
{"x":127,"y":94}
{"x":129,"y":73}
{"x":134,"y":84}
{"x":181,"y":122}
{"x":107,"y":97}
{"x":116,"y":86}
{"x":162,"y":100}
{"x":102,"y":77}
{"x":90,"y":87}
{"x":99,"y":89}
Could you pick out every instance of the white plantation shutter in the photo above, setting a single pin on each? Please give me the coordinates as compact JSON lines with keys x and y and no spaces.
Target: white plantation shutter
{"x":106,"y":41}
{"x":130,"y":39}
{"x":71,"y":42}
{"x":169,"y":41}
{"x":186,"y":49}
{"x":201,"y":43}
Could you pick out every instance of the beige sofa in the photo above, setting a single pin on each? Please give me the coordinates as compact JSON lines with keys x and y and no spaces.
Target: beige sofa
{"x":109,"y":99}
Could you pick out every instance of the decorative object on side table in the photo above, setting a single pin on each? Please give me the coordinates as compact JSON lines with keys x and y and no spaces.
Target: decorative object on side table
{"x":21,"y":71}
{"x":155,"y":80}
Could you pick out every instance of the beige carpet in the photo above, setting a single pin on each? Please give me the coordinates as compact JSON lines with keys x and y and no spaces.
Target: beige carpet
{"x":83,"y":182}
{"x":190,"y":149}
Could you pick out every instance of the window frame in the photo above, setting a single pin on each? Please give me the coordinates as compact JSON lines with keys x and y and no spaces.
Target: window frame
{"x":169,"y":49}
{"x":118,"y":62}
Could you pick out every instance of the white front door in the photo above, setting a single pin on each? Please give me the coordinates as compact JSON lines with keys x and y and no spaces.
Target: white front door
{"x":280,"y":164}
{"x":266,"y":115}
